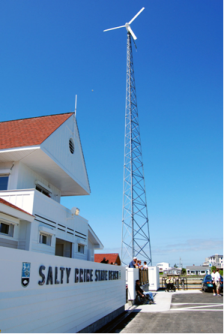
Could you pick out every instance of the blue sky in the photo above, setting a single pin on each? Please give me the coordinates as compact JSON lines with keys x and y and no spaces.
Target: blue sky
{"x":52,"y":50}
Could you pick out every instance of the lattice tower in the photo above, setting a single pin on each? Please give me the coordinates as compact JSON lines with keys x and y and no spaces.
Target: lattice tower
{"x":135,"y":224}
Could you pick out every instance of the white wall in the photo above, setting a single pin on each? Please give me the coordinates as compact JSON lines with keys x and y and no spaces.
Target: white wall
{"x":27,"y":179}
{"x":21,"y":232}
{"x":53,"y":216}
{"x":67,"y":307}
{"x":153,"y":275}
{"x":163,"y":266}
{"x":132,"y":277}
{"x":23,"y":199}
{"x":73,"y":164}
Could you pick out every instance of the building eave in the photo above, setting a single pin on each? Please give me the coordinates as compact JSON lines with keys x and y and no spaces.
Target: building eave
{"x":16,"y":213}
{"x":94,"y":239}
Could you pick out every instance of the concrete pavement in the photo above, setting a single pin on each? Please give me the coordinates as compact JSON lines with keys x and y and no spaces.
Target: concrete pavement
{"x":173,"y":312}
{"x":162,"y":302}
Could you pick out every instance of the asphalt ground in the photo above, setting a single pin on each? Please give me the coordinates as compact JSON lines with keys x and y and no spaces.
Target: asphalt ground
{"x":188,"y":313}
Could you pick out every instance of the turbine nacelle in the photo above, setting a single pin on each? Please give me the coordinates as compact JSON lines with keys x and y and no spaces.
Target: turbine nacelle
{"x":127,"y":25}
{"x":128,"y":28}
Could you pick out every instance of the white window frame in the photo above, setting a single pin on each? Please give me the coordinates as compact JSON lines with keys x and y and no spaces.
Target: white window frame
{"x":81,"y":247}
{"x":11,"y":229}
{"x":43,"y":188}
{"x":5,"y":175}
{"x":48,"y":239}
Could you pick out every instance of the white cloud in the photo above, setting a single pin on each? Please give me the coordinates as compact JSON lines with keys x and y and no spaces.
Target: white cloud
{"x":190,"y":245}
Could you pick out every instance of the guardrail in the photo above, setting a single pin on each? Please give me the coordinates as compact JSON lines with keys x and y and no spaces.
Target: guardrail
{"x":183,"y":283}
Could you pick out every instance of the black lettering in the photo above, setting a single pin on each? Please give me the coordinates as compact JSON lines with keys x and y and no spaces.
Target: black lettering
{"x":68,"y":270}
{"x":56,"y":276}
{"x":91,"y":275}
{"x":105,"y":275}
{"x":87,"y":275}
{"x":84,"y":275}
{"x":41,"y":275}
{"x":62,"y":274}
{"x":96,"y":275}
{"x":76,"y":275}
{"x":49,"y":276}
{"x":81,"y":276}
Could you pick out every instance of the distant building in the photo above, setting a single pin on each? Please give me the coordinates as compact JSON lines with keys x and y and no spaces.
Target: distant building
{"x":214,"y":260}
{"x":197,"y":270}
{"x":163,"y":266}
{"x":172,"y":271}
{"x":110,"y":258}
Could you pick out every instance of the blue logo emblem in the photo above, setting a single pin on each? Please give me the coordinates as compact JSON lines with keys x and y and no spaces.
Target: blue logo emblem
{"x":25,"y":279}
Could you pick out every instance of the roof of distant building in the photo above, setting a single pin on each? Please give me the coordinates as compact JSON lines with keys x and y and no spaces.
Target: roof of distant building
{"x":111,"y":257}
{"x":29,"y":131}
{"x":13,"y":206}
{"x":197,"y":267}
{"x":215,"y":256}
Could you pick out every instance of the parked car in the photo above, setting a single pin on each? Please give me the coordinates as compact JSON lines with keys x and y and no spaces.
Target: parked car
{"x":207,"y":284}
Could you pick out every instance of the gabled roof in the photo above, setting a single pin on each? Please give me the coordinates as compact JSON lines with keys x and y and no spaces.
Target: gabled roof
{"x":111,"y":257}
{"x":13,"y":206}
{"x":197,"y":267}
{"x":29,"y":131}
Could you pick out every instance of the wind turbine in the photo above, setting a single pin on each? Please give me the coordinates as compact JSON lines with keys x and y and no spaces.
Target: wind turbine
{"x":135,"y":224}
{"x":127,"y":25}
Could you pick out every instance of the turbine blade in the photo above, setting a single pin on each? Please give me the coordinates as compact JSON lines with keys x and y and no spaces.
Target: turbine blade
{"x":131,"y":32}
{"x":114,"y":28}
{"x":136,"y":15}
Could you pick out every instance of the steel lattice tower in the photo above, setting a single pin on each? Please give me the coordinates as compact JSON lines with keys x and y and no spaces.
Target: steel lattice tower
{"x":135,"y":224}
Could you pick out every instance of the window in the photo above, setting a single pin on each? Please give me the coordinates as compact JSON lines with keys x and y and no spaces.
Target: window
{"x":6,"y":229}
{"x":45,"y":239}
{"x":80,"y":248}
{"x":42,"y":190}
{"x":4,"y":182}
{"x":71,"y":146}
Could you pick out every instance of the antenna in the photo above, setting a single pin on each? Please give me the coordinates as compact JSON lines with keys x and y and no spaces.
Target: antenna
{"x":127,"y":25}
{"x":75,"y":105}
{"x":135,"y":223}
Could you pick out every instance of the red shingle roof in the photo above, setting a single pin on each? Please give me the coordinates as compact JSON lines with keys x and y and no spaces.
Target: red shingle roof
{"x":13,"y":206}
{"x":29,"y":131}
{"x":112,"y":257}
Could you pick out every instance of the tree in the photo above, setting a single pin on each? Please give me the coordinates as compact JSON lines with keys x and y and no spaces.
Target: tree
{"x":213,"y":268}
{"x":175,"y":266}
{"x":184,"y":271}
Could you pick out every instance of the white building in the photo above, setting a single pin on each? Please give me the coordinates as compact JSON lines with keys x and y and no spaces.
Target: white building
{"x":52,"y":282}
{"x":197,"y":270}
{"x":214,"y":260}
{"x":163,"y":266}
{"x":41,"y":160}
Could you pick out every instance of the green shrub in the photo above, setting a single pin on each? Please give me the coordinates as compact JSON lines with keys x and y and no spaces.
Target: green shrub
{"x":183,"y":271}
